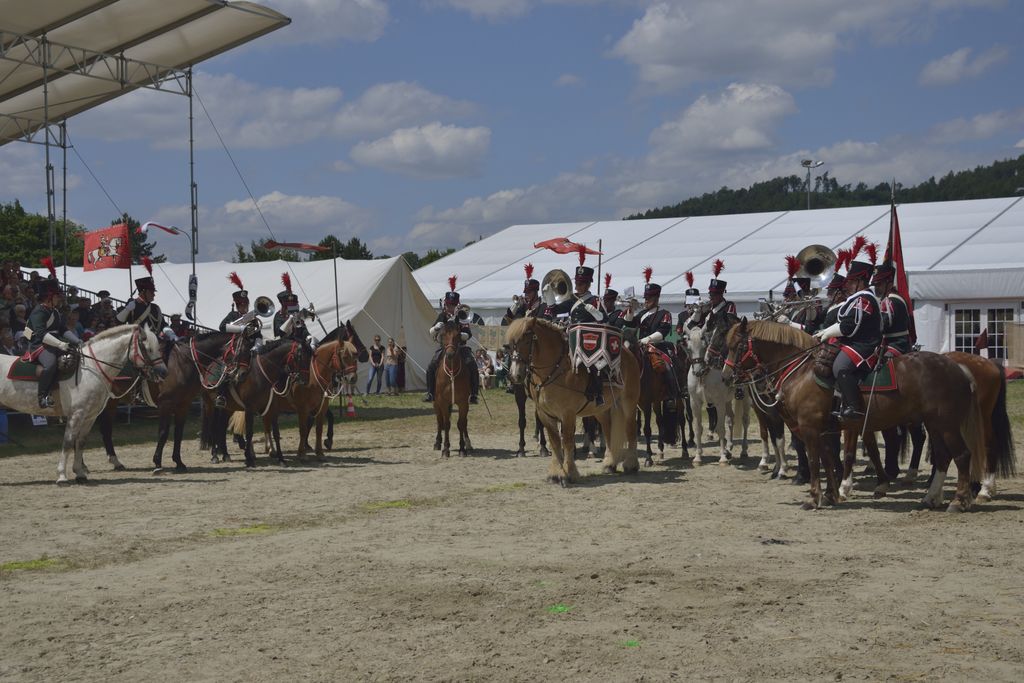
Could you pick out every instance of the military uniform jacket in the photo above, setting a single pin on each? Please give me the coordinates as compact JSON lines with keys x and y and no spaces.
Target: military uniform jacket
{"x":231,"y":317}
{"x":655,"y":320}
{"x":523,"y":311}
{"x":580,"y":313}
{"x":558,"y":312}
{"x":896,"y":322}
{"x":148,"y":314}
{"x":299,"y":331}
{"x":716,"y":316}
{"x":684,"y":316}
{"x":860,"y":322}
{"x":808,"y":314}
{"x":617,"y":318}
{"x":464,"y":327}
{"x":44,"y":319}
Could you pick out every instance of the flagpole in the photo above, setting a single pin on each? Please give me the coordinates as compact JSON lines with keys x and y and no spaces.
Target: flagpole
{"x":600,"y":251}
{"x":337,"y":303}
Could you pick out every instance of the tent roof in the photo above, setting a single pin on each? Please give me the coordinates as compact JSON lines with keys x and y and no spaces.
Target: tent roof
{"x":983,"y":234}
{"x":96,"y":50}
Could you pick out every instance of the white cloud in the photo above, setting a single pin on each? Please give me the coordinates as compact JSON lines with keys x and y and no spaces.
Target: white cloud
{"x":568,"y":197}
{"x":791,"y":42}
{"x":1020,"y":144}
{"x":249,"y":115}
{"x":958,"y":66}
{"x":492,"y":10}
{"x":566,"y":80}
{"x":978,"y":127}
{"x":387,"y":106}
{"x":740,"y":119}
{"x":342,"y":166}
{"x":430,"y":151}
{"x":321,"y":21}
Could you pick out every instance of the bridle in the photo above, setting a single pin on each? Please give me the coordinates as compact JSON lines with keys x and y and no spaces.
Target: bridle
{"x":531,"y":369}
{"x":339,"y":377}
{"x":137,"y":356}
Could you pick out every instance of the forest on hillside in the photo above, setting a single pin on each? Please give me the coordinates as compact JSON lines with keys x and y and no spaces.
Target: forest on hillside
{"x":1001,"y":179}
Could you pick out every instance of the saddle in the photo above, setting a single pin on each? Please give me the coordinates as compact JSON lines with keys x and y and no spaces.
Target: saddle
{"x":28,"y":369}
{"x":881,"y":378}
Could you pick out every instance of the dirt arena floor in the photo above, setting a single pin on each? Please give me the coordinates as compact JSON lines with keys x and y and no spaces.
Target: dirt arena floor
{"x":384,"y":562}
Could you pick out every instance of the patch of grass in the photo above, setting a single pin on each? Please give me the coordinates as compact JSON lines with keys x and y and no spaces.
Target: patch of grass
{"x":378,"y":505}
{"x":39,"y":564}
{"x":498,"y":488}
{"x":559,"y":608}
{"x":631,"y":643}
{"x":245,"y":530}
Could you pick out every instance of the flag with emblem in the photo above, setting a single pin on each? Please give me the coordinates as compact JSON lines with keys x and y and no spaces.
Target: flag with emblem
{"x":107,"y":248}
{"x":894,"y":255}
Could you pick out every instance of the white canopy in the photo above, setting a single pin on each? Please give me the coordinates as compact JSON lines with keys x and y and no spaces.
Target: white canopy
{"x":379,"y":297}
{"x":938,"y":237}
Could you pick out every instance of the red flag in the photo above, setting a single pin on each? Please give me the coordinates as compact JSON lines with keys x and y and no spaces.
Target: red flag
{"x":297,"y":246}
{"x":894,"y":255}
{"x":562,"y":245}
{"x":107,"y":248}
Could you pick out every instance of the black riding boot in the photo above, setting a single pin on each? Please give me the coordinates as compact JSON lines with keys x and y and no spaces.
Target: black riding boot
{"x":712,"y":417}
{"x":474,"y":382}
{"x":431,"y":381}
{"x":848,"y":383}
{"x":46,"y":381}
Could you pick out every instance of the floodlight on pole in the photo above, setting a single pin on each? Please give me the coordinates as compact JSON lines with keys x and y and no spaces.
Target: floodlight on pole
{"x":809,"y":164}
{"x":193,"y":281}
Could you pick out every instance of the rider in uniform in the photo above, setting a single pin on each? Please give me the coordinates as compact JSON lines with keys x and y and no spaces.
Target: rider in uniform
{"x":654,"y":325}
{"x":529,"y":305}
{"x":46,"y":323}
{"x":141,"y":309}
{"x":718,"y":306}
{"x":859,"y":332}
{"x":584,"y":308}
{"x":236,"y":322}
{"x":450,"y":311}
{"x":895,"y":311}
{"x":289,"y":320}
{"x":608,"y":300}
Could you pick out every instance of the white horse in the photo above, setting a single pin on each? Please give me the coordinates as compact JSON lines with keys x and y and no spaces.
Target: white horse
{"x":706,"y":386}
{"x":111,"y":251}
{"x":82,"y":397}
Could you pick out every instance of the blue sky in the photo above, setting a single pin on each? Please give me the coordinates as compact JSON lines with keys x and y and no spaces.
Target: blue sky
{"x":427,"y":123}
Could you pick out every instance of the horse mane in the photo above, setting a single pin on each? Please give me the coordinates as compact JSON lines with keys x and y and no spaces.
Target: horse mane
{"x":110,"y":332}
{"x":518,"y":326}
{"x":773,"y":332}
{"x":204,"y":336}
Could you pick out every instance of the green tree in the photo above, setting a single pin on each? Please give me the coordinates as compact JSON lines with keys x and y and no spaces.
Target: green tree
{"x":26,"y":237}
{"x":434,"y":255}
{"x":259,"y":253}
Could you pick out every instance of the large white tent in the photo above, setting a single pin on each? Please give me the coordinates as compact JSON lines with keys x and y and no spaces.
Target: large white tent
{"x":963,"y":258}
{"x":379,"y":297}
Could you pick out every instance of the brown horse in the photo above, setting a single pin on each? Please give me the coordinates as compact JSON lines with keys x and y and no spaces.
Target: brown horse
{"x":332,"y":368}
{"x":274,"y":363}
{"x":932,"y":389}
{"x":542,"y":362}
{"x":451,"y":387}
{"x":656,"y":395}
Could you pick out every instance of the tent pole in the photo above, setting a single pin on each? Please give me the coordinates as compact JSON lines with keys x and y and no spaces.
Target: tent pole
{"x":64,"y":192}
{"x":337,"y":304}
{"x":600,"y":251}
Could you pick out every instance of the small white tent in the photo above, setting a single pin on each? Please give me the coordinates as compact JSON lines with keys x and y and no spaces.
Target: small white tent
{"x":380,"y":297}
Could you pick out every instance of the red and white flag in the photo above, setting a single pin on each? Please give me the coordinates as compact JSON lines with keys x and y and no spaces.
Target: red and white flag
{"x":894,"y":255}
{"x":107,"y":248}
{"x":562,"y":245}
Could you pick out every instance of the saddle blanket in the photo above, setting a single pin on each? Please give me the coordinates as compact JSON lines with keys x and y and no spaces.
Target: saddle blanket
{"x":882,"y":378}
{"x":23,"y":370}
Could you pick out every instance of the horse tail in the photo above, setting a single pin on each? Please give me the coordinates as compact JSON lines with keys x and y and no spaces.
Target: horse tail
{"x":1001,"y":457}
{"x":971,"y":431}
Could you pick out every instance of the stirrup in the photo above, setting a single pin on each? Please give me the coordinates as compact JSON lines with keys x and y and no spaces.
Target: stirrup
{"x":220,"y":402}
{"x":429,"y":398}
{"x":474,"y":399}
{"x":849,"y":414}
{"x":46,"y":401}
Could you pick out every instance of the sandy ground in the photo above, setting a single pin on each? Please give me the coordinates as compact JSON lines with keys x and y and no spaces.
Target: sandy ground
{"x":385,"y":562}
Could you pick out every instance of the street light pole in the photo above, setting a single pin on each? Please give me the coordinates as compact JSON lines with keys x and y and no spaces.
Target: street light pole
{"x":192,"y":281}
{"x":809,"y":164}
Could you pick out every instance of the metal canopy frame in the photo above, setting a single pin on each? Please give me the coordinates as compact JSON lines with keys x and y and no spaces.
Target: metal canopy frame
{"x":60,"y":59}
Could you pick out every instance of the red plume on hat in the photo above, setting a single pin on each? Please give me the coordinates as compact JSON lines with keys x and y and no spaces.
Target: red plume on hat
{"x":147,"y":263}
{"x":792,"y":266}
{"x":859,"y":243}
{"x":607,"y":280}
{"x":528,"y":269}
{"x":843,"y":259}
{"x":286,"y":280}
{"x":452,"y":279}
{"x":648,"y":272}
{"x":48,"y":262}
{"x":583,"y":252}
{"x":872,"y":251}
{"x":235,"y":280}
{"x":717,"y":267}
{"x":689,"y":279}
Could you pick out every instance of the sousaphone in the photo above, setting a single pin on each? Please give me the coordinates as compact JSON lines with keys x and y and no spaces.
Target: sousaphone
{"x":818,"y":263}
{"x":556,"y":287}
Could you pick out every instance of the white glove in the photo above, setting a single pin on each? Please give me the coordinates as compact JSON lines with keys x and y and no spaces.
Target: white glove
{"x":645,"y":340}
{"x":286,"y":327}
{"x":126,"y":311}
{"x":655,"y":337}
{"x":50,"y":340}
{"x":628,"y":315}
{"x":796,"y":326}
{"x":594,"y":311}
{"x":72,"y":337}
{"x":465,"y":336}
{"x":234,"y":328}
{"x":782,"y":319}
{"x":435,"y":329}
{"x":169,"y":335}
{"x":829,"y":333}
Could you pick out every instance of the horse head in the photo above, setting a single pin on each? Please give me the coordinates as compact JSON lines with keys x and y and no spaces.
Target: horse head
{"x":364,"y":354}
{"x":145,"y":354}
{"x":451,"y":338}
{"x":337,"y":360}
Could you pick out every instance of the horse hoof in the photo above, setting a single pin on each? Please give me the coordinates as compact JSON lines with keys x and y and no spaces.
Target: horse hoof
{"x":437,"y":446}
{"x":608,"y":469}
{"x":956,"y":507}
{"x":983,"y":498}
{"x":227,"y":458}
{"x":158,"y":470}
{"x":521,"y":453}
{"x":544,"y":452}
{"x":63,"y":481}
{"x":564,"y":482}
{"x":81,"y":479}
{"x":649,"y":462}
{"x":691,"y":443}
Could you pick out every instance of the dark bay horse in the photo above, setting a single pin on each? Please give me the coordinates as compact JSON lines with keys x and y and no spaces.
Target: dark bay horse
{"x":933,"y":390}
{"x":451,"y":387}
{"x":519,"y":393}
{"x":277,"y":363}
{"x":656,"y":396}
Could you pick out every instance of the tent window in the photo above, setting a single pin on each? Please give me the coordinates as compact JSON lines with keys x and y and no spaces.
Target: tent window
{"x":966,"y":328}
{"x":997,"y":321}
